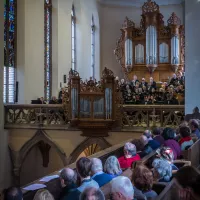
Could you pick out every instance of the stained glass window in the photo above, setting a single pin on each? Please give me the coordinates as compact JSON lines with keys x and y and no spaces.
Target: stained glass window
{"x":9,"y":50}
{"x":48,"y":49}
{"x":73,"y":35}
{"x":92,"y":48}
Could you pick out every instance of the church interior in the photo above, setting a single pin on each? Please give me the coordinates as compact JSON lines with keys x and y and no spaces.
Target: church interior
{"x":90,"y":84}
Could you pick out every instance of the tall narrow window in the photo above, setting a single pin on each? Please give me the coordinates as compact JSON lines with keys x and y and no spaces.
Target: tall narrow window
{"x":47,"y":49}
{"x":73,"y":28}
{"x":92,"y":48}
{"x":9,"y":50}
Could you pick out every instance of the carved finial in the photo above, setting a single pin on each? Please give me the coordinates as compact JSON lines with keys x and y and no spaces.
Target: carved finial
{"x":174,"y":20}
{"x":149,"y":7}
{"x":128,"y":23}
{"x":107,"y":73}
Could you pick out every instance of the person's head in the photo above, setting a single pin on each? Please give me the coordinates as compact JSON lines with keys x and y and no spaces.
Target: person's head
{"x":162,"y":169}
{"x":92,"y":194}
{"x":42,"y":98}
{"x":142,"y":178}
{"x":168,"y":133}
{"x":157,"y":131}
{"x":193,"y":123}
{"x":13,"y":193}
{"x":148,"y":134}
{"x":134,"y":77}
{"x":83,"y":166}
{"x":53,"y":98}
{"x":143,"y":80}
{"x":166,"y":153}
{"x":122,"y":188}
{"x":184,"y":131}
{"x":151,"y":79}
{"x":127,"y":87}
{"x":144,"y":140}
{"x":153,"y":90}
{"x":68,"y":177}
{"x":174,"y":76}
{"x":43,"y":195}
{"x":122,"y":81}
{"x":96,"y":166}
{"x":129,"y":150}
{"x":112,"y":166}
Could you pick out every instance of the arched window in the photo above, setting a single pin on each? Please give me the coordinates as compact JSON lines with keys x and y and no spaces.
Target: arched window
{"x":9,"y":50}
{"x":92,"y":48}
{"x":47,"y":49}
{"x":73,"y":28}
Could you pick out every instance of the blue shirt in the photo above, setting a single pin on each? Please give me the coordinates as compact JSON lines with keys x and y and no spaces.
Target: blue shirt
{"x":101,"y":178}
{"x":197,"y":133}
{"x":154,"y":144}
{"x":88,"y":183}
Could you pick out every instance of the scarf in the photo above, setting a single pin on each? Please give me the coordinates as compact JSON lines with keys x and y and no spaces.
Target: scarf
{"x":186,"y":139}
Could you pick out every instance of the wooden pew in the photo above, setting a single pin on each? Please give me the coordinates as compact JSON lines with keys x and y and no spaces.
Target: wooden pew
{"x":54,"y":185}
{"x":193,"y":154}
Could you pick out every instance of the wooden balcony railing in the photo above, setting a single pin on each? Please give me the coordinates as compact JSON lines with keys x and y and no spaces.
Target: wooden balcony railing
{"x":133,"y":117}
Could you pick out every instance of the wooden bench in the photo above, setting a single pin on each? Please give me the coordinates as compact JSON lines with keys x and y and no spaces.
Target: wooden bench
{"x":193,"y":154}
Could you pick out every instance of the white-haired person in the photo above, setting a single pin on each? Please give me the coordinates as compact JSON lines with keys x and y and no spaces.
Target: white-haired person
{"x":122,"y":189}
{"x":112,"y":167}
{"x":154,"y":144}
{"x":146,"y":147}
{"x":97,"y":172}
{"x":162,"y":170}
{"x":130,"y":156}
{"x":92,"y":194}
{"x":43,"y":194}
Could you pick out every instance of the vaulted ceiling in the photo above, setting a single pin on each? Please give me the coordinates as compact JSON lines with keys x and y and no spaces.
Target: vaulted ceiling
{"x":138,"y":3}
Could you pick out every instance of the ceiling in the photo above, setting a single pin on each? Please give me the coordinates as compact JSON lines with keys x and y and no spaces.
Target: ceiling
{"x":138,"y":3}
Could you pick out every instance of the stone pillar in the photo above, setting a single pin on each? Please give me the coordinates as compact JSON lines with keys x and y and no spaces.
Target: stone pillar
{"x":4,"y":158}
{"x":192,"y":58}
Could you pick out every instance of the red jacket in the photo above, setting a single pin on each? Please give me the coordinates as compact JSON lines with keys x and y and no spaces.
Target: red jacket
{"x":127,"y":162}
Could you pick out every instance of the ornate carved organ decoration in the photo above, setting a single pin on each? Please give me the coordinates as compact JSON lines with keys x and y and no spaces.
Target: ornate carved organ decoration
{"x":152,"y":45}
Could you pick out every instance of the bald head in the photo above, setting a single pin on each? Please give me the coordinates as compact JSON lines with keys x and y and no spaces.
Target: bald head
{"x":144,"y":140}
{"x":148,"y":134}
{"x":68,"y":177}
{"x":96,"y":165}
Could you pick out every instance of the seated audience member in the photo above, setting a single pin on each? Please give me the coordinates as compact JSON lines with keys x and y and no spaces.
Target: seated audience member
{"x":169,"y":137}
{"x":142,"y":179}
{"x":112,"y":167}
{"x":185,"y":141}
{"x":194,"y":126}
{"x":157,"y":133}
{"x":189,"y":179}
{"x":43,"y":194}
{"x":68,"y":179}
{"x":97,"y":172}
{"x":162,"y":170}
{"x":130,"y":156}
{"x":122,"y":189}
{"x":13,"y":193}
{"x":83,"y":167}
{"x":92,"y":194}
{"x":154,"y":144}
{"x":147,"y":149}
{"x":166,"y":153}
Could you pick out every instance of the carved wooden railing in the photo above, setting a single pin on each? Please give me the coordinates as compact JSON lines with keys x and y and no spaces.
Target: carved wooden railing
{"x":143,"y":116}
{"x":34,"y":116}
{"x":133,"y":117}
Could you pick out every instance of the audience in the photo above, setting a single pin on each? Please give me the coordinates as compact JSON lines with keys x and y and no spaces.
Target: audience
{"x":185,"y":141}
{"x":154,"y":144}
{"x":194,"y":126}
{"x":13,"y":193}
{"x":92,"y":194}
{"x":142,"y":179}
{"x":68,"y":179}
{"x":130,"y":156}
{"x":112,"y":167}
{"x":122,"y":189}
{"x":157,"y":133}
{"x":147,"y":149}
{"x":83,"y":167}
{"x":169,"y":137}
{"x":162,"y":170}
{"x":43,"y":194}
{"x":97,"y":172}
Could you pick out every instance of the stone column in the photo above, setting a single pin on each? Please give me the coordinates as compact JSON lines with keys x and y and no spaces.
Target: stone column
{"x":4,"y":158}
{"x":192,"y":59}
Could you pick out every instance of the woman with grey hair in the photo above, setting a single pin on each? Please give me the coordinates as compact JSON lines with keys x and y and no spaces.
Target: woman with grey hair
{"x":112,"y":167}
{"x":162,"y":170}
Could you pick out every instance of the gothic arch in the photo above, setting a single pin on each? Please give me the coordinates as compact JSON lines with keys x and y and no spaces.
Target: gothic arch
{"x":103,"y":144}
{"x":18,"y":157}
